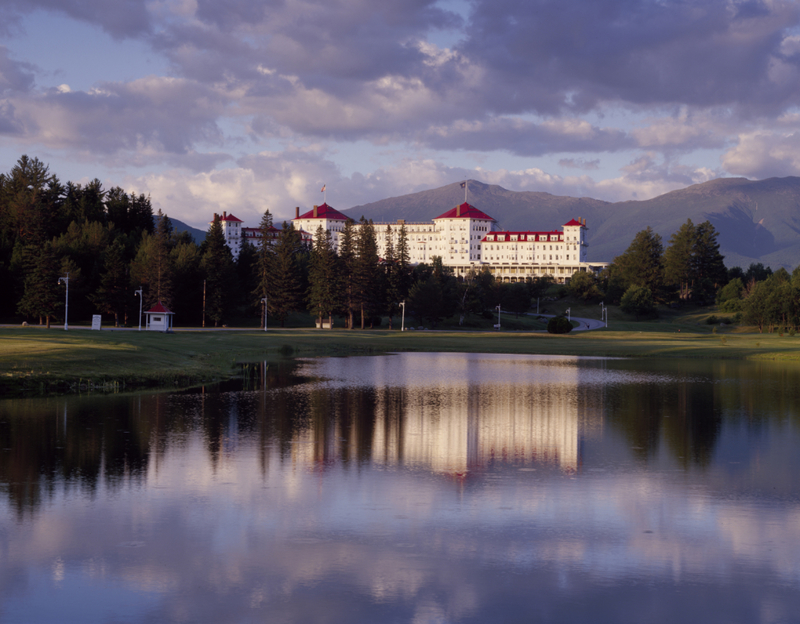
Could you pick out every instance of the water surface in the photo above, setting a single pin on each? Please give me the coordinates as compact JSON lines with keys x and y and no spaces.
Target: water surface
{"x":411,"y":488}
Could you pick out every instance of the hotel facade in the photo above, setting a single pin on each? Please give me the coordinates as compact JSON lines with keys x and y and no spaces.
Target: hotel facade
{"x":464,"y":237}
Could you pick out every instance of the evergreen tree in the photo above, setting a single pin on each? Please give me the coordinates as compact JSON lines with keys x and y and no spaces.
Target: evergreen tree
{"x":152,"y":266}
{"x":707,"y":262}
{"x":402,"y":273}
{"x":42,"y":296}
{"x":678,"y":261}
{"x":347,"y":256}
{"x":366,"y":276}
{"x":389,"y":275}
{"x":217,"y":265}
{"x":324,"y":293}
{"x":434,"y":297}
{"x":264,"y":264}
{"x":286,"y":284}
{"x":641,"y":264}
{"x":113,"y":294}
{"x":187,"y":300}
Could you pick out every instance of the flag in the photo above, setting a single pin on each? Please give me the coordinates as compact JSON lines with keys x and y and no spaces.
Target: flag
{"x":463,"y":185}
{"x":322,"y":190}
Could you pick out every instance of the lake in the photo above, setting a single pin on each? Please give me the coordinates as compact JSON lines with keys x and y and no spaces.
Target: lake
{"x":417,"y":487}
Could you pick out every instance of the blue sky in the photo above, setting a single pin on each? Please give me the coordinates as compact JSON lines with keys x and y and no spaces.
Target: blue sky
{"x":250,"y":105}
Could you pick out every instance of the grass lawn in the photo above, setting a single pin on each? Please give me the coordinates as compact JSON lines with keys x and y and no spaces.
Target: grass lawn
{"x":34,"y":360}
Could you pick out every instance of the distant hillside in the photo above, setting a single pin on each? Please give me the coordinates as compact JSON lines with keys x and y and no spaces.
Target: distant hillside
{"x":179,"y":226}
{"x":757,"y":221}
{"x":198,"y":235}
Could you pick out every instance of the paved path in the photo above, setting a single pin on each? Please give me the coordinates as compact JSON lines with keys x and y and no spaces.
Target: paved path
{"x":584,"y":324}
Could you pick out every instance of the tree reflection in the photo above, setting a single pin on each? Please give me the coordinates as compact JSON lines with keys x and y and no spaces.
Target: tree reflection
{"x":676,"y":409}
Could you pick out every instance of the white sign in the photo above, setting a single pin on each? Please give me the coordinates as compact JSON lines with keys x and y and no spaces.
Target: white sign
{"x":96,"y":321}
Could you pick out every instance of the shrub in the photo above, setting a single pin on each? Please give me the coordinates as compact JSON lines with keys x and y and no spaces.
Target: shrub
{"x":559,"y":325}
{"x":638,"y":300}
{"x":712,"y":320}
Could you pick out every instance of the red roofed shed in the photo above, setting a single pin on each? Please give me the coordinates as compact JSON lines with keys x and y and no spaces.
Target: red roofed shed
{"x":159,"y":318}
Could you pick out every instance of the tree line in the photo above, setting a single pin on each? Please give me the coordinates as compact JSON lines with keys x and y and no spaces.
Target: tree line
{"x":692,"y":269}
{"x":111,"y":245}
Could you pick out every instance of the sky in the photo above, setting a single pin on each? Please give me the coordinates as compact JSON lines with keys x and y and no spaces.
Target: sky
{"x":248,"y":105}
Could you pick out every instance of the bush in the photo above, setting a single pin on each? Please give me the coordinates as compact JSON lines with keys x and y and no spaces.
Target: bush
{"x":559,"y":325}
{"x":712,"y":320}
{"x":638,"y":300}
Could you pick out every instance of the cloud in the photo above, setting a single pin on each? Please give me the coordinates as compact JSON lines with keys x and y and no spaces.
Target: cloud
{"x":765,"y":154}
{"x":578,"y":163}
{"x":14,"y":75}
{"x":525,"y":138}
{"x":119,"y":18}
{"x":643,"y":53}
{"x":150,"y":119}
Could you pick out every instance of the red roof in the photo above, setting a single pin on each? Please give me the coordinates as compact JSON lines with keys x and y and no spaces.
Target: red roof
{"x":229,"y":217}
{"x":574,"y":222}
{"x":159,"y":308}
{"x":324,"y":212}
{"x":465,"y":211}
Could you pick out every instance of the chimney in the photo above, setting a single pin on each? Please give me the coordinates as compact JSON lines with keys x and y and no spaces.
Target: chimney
{"x":458,"y":210}
{"x":297,"y":212}
{"x":315,"y":211}
{"x":224,"y":214}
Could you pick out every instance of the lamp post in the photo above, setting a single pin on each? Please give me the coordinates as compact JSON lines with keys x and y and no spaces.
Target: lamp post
{"x":498,"y":316}
{"x":403,"y":317}
{"x":568,"y":313}
{"x":603,"y":313}
{"x":66,"y":302}
{"x":264,"y":301}
{"x":139,"y":293}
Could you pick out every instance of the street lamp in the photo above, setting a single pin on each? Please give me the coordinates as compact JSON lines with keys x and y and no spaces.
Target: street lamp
{"x":66,"y":303}
{"x":264,"y":301}
{"x":498,"y":316}
{"x":139,"y":292}
{"x":403,"y":317}
{"x":568,"y":312}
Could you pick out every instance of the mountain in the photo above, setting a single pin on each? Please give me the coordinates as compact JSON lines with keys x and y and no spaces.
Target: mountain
{"x":198,"y":235}
{"x":179,"y":226}
{"x":757,"y":220}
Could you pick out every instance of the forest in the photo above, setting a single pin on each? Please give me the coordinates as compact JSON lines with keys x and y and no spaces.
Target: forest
{"x":118,"y":255}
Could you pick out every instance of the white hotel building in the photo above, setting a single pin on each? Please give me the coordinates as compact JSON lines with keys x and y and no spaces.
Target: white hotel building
{"x":464,"y":237}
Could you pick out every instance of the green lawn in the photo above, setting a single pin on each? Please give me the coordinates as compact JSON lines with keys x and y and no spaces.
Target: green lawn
{"x":39,"y":360}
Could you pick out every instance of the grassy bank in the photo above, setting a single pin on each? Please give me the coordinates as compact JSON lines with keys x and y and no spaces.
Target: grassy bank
{"x":38,"y":360}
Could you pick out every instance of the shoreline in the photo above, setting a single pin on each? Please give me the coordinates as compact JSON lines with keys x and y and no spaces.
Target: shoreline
{"x":57,"y":361}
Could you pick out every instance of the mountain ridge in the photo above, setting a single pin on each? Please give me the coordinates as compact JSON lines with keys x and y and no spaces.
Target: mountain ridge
{"x":757,"y":220}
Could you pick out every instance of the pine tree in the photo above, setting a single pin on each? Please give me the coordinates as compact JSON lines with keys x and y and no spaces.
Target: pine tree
{"x":113,"y":293}
{"x":347,"y":257}
{"x":324,"y":291}
{"x":42,"y":296}
{"x":678,"y":267}
{"x":402,"y":276}
{"x":366,"y":276}
{"x":217,"y":265}
{"x":152,"y":266}
{"x":389,"y":275}
{"x":286,"y":283}
{"x":641,"y":264}
{"x":265,"y":264}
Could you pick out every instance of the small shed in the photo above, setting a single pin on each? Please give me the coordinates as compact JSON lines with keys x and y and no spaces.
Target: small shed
{"x":159,"y":318}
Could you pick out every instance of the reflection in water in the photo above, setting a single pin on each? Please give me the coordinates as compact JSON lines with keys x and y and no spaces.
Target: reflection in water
{"x":411,"y":488}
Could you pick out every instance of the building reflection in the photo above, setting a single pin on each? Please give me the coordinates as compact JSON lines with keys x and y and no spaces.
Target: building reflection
{"x":452,"y":424}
